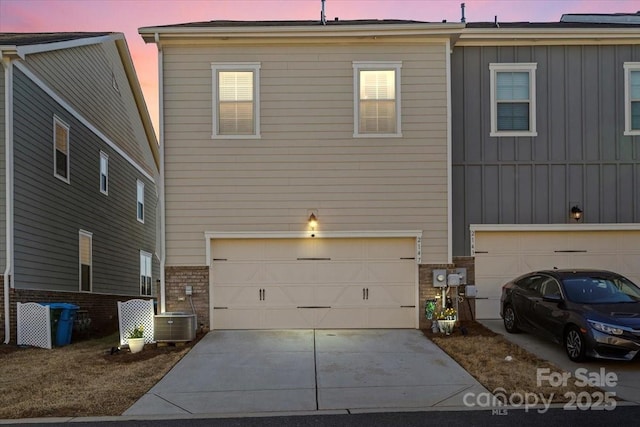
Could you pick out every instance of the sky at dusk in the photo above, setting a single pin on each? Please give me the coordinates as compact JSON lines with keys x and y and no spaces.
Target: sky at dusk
{"x":127,"y":16}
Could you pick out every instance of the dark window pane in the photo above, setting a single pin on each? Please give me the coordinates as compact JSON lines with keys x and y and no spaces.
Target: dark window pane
{"x":85,"y":284}
{"x":635,"y":115}
{"x":513,"y":116}
{"x":61,"y":164}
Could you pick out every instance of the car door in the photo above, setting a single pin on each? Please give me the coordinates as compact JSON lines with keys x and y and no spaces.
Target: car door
{"x":525,"y":294}
{"x":548,"y":315}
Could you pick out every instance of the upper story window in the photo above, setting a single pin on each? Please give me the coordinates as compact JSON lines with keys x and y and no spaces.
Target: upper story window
{"x":632,"y":98}
{"x":104,"y":173}
{"x":60,"y":149}
{"x":376,"y":99}
{"x":140,"y":201}
{"x":513,"y":99}
{"x":236,"y":109}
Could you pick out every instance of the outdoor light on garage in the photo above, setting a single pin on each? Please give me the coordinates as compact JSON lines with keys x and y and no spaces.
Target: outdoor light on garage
{"x":313,"y":223}
{"x":576,"y":213}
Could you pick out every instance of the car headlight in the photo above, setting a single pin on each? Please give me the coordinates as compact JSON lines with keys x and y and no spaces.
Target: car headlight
{"x":606,"y":328}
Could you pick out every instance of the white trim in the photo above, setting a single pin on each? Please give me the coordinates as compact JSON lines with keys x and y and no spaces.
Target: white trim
{"x":140,"y":185}
{"x":8,"y":161}
{"x":556,"y":227}
{"x":161,"y":193}
{"x":528,"y":67}
{"x":448,"y":53}
{"x":68,"y":44}
{"x":209,"y":235}
{"x":253,"y":67}
{"x":358,"y":66}
{"x":81,"y":119}
{"x":81,"y":234}
{"x":104,"y":156}
{"x":628,"y":68}
{"x":57,"y":121}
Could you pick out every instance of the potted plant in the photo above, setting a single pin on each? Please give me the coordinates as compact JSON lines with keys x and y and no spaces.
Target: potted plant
{"x":136,"y":339}
{"x":446,"y":320}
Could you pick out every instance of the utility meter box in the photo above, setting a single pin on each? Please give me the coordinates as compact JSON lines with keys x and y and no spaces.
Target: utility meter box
{"x":439,"y":278}
{"x":453,"y":279}
{"x":471,"y":291}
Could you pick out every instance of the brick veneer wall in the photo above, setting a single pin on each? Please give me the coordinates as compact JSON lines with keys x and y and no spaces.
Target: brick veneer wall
{"x":176,"y":280}
{"x":466,"y":308}
{"x":101,"y":309}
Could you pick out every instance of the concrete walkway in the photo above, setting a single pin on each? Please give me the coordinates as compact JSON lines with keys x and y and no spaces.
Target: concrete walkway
{"x":301,"y":371}
{"x":628,"y":373}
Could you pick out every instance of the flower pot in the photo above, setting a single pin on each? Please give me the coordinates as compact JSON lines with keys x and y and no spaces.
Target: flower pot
{"x":446,"y":326}
{"x":136,"y":344}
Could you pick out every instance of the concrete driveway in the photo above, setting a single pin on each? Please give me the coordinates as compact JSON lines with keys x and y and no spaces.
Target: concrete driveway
{"x":628,"y":373}
{"x":293,"y":371}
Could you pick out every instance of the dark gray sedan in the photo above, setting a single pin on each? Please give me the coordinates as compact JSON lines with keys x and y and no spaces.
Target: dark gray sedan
{"x":592,"y":313}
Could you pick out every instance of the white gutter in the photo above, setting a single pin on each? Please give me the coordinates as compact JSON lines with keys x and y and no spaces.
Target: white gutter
{"x":448,"y":54}
{"x":163,"y":242}
{"x":8,"y":159}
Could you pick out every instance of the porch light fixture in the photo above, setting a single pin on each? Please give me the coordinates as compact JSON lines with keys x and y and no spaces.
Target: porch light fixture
{"x":313,"y":221}
{"x":576,"y":213}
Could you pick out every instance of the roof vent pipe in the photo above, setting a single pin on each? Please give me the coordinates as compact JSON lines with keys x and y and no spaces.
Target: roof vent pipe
{"x":323,"y":17}
{"x":463,"y":19}
{"x":495,"y":21}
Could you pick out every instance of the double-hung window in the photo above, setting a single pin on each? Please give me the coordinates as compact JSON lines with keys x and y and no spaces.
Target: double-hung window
{"x":632,"y":98}
{"x":145,"y":273}
{"x":86,"y":254}
{"x":140,"y":201}
{"x":513,"y":99}
{"x":60,"y":149}
{"x":376,"y":99}
{"x":104,"y":173}
{"x":236,"y":98}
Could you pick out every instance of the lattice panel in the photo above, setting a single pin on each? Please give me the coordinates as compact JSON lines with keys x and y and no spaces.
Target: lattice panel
{"x":34,"y":325}
{"x":133,"y":313}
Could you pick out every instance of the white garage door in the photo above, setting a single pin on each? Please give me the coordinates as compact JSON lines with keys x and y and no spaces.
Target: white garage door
{"x":503,"y":255}
{"x":313,"y":283}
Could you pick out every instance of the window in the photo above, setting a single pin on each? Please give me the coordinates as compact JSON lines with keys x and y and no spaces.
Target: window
{"x":60,"y":150}
{"x":86,"y":255}
{"x":145,"y":273}
{"x":513,"y":101}
{"x":236,"y":98}
{"x":376,"y":99}
{"x":140,"y":201}
{"x":104,"y":173}
{"x":632,"y":98}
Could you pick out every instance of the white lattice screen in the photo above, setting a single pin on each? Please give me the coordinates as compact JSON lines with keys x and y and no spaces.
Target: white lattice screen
{"x":34,"y":325}
{"x":132,"y":314}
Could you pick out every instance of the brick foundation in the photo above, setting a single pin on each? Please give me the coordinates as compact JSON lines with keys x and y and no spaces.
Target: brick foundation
{"x":466,"y":308}
{"x":176,"y":279}
{"x":101,"y":309}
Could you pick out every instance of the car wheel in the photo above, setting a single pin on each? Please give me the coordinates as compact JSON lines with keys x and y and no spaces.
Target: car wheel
{"x":510,"y":320}
{"x":574,"y":344}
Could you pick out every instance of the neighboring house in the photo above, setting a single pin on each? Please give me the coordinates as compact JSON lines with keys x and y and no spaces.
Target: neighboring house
{"x":546,"y":120}
{"x":265,"y":125}
{"x":78,"y":172}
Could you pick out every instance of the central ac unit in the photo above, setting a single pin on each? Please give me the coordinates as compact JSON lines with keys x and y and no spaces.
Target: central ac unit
{"x":174,"y":327}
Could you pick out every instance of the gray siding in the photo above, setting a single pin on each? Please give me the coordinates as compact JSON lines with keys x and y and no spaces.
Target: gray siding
{"x":3,"y":234}
{"x":580,"y":155}
{"x":49,"y":212}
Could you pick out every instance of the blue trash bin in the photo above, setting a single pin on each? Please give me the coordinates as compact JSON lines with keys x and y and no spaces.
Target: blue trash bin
{"x":62,"y":315}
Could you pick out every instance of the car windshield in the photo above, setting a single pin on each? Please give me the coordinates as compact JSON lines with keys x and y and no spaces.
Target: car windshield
{"x":599,"y":290}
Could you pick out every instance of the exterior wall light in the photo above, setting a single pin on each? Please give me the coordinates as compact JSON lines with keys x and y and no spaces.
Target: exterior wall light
{"x":313,"y":223}
{"x":576,"y":213}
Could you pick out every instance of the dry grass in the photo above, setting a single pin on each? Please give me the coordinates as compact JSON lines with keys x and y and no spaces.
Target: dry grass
{"x":81,"y":379}
{"x":482,"y":353}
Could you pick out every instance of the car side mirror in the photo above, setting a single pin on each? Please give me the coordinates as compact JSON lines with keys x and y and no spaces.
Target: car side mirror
{"x":552,"y":298}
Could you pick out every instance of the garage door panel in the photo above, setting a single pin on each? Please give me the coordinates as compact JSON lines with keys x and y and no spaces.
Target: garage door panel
{"x":240,"y":273}
{"x":289,"y":272}
{"x":340,"y":272}
{"x":391,"y":271}
{"x":236,"y":319}
{"x":391,"y":296}
{"x":487,"y":265}
{"x":541,"y":262}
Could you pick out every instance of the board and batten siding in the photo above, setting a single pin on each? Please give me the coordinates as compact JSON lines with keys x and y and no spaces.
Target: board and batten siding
{"x":307,"y":157}
{"x":580,"y":155}
{"x":93,"y":80}
{"x":49,"y":212}
{"x":3,"y":177}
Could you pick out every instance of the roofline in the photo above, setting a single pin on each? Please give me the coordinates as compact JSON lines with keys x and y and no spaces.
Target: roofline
{"x":470,"y":36}
{"x":302,"y":31}
{"x":29,"y":49}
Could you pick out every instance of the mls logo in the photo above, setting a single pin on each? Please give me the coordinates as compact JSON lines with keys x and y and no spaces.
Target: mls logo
{"x":500,"y":411}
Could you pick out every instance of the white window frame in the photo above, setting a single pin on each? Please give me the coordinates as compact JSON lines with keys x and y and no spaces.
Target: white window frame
{"x":104,"y":171}
{"x":86,"y":234}
{"x":359,"y":66}
{"x":139,"y":200}
{"x":253,"y":67}
{"x":628,"y":68}
{"x":528,"y":67}
{"x":146,"y":266}
{"x":58,"y":122}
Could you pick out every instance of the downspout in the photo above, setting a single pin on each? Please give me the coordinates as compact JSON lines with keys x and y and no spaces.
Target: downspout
{"x":163,"y":242}
{"x":448,"y":54}
{"x":8,"y":160}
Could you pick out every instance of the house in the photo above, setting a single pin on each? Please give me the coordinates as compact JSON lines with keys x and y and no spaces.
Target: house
{"x":78,"y":172}
{"x":546,"y":148}
{"x":306,"y":171}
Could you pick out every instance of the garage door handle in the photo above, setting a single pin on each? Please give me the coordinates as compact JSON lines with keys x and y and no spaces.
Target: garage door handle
{"x":314,"y":306}
{"x":365,"y":293}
